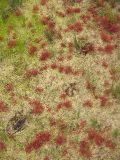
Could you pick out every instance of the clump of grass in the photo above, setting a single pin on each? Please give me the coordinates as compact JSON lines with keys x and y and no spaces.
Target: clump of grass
{"x":15,"y":3}
{"x":116,"y":133}
{"x":94,"y":124}
{"x":79,"y":43}
{"x":116,"y":91}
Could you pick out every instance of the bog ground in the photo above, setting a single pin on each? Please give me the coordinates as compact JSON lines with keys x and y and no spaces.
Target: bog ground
{"x":60,"y":80}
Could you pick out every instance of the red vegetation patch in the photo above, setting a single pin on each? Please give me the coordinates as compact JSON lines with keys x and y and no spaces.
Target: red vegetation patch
{"x":71,"y":9}
{"x":45,"y":55}
{"x":40,"y":139}
{"x":18,"y":12}
{"x":9,"y":87}
{"x":107,"y":25}
{"x":66,"y":104}
{"x":3,"y":107}
{"x":96,"y":137}
{"x":43,"y":2}
{"x":60,"y":139}
{"x":39,"y":89}
{"x":110,"y":144}
{"x":54,"y":66}
{"x":88,"y":103}
{"x":32,"y":72}
{"x":49,"y":22}
{"x":35,"y":8}
{"x":85,"y":149}
{"x":103,"y":101}
{"x":32,"y":49}
{"x":109,"y":48}
{"x":106,"y":37}
{"x":11,"y":43}
{"x":2,"y":145}
{"x":37,"y":106}
{"x":77,"y":26}
{"x":90,"y":86}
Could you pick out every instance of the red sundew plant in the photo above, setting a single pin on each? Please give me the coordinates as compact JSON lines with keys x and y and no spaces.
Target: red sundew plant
{"x":39,"y":89}
{"x":54,"y":66}
{"x":71,"y":9}
{"x":105,"y":37}
{"x":110,"y":144}
{"x":11,"y":43}
{"x":2,"y":145}
{"x":66,"y":104}
{"x":32,"y":72}
{"x":51,"y":25}
{"x":9,"y":87}
{"x":3,"y":107}
{"x":37,"y":106}
{"x":88,"y":103}
{"x":109,"y":48}
{"x":45,"y":19}
{"x":90,"y":86}
{"x":65,"y":69}
{"x":107,"y":25}
{"x":32,"y":49}
{"x":68,"y":70}
{"x":77,"y":26}
{"x":49,"y":22}
{"x":40,"y":139}
{"x":18,"y":12}
{"x":61,"y":69}
{"x":43,"y":2}
{"x":45,"y":55}
{"x":84,"y":149}
{"x":103,"y":101}
{"x":60,"y":140}
{"x":96,"y":137}
{"x":100,"y":140}
{"x":35,"y":8}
